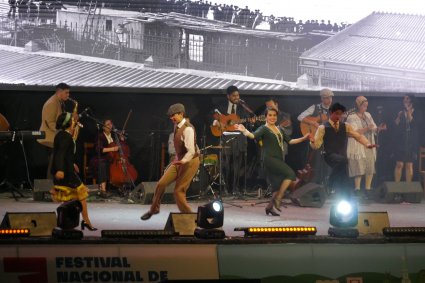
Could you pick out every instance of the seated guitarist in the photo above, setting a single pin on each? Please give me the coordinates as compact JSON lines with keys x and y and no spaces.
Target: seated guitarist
{"x":226,"y":114}
{"x":310,"y":120}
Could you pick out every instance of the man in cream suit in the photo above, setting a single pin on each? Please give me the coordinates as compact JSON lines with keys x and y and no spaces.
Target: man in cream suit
{"x":52,"y":108}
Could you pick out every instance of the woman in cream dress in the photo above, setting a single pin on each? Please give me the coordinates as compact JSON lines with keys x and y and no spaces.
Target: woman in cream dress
{"x":361,"y":162}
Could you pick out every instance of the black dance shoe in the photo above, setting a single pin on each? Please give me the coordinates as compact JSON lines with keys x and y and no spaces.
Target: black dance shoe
{"x":102,"y":194}
{"x":271,"y":211}
{"x":85,"y":225}
{"x":277,"y":203}
{"x":148,"y":215}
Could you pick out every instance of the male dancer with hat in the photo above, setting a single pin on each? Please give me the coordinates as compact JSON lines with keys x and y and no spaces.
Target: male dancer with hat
{"x":183,"y":168}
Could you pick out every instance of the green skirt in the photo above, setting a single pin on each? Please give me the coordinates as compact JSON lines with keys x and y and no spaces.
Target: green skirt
{"x":277,"y":171}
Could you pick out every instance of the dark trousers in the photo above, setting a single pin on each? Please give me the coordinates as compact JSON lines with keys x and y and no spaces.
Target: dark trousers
{"x":102,"y":171}
{"x":49,"y":174}
{"x":234,"y":156}
{"x":232,"y":171}
{"x":338,"y":179}
{"x":321,"y":170}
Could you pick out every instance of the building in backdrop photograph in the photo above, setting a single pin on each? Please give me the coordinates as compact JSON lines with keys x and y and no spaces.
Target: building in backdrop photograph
{"x":268,"y":45}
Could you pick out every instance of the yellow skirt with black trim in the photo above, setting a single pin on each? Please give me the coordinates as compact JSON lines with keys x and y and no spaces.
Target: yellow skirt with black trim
{"x":64,"y":193}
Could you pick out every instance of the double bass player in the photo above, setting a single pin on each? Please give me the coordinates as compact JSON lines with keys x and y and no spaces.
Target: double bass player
{"x":112,"y":161}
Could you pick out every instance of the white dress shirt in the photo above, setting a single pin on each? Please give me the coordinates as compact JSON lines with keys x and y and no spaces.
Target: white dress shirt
{"x":229,"y":107}
{"x":188,"y":138}
{"x":108,"y":138}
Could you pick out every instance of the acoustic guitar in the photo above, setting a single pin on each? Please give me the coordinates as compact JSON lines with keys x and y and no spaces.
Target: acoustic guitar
{"x":306,"y":128}
{"x":320,"y":119}
{"x":227,"y":123}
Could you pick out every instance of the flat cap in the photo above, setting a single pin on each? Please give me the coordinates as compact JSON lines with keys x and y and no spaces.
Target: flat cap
{"x":175,"y":108}
{"x":326,"y":92}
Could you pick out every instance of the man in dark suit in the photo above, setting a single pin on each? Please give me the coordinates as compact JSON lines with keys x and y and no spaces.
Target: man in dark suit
{"x":235,"y":144}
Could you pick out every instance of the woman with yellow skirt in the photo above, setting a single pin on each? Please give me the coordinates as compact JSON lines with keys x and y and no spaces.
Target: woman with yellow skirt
{"x":67,"y":184}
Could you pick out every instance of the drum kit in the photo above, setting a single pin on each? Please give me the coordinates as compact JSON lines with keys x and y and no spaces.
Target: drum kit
{"x":208,"y":175}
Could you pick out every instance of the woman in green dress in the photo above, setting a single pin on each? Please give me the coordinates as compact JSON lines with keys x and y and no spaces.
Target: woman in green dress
{"x":278,"y":172}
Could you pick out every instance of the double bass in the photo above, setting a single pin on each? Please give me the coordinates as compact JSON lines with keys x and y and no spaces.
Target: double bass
{"x":121,"y":171}
{"x":4,"y":125}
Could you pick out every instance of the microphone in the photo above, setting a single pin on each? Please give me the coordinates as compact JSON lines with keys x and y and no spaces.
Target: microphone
{"x":216,"y":111}
{"x":84,"y":112}
{"x":241,"y":101}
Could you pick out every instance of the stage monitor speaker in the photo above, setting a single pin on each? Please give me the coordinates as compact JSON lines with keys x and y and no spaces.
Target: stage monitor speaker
{"x":397,"y":192}
{"x":311,"y":195}
{"x":41,"y":189}
{"x":93,"y":188}
{"x":147,"y":190}
{"x":372,"y":222}
{"x":39,"y":223}
{"x":183,"y":223}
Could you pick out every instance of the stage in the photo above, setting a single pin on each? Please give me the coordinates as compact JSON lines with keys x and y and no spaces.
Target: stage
{"x":117,"y":213}
{"x":368,"y":258}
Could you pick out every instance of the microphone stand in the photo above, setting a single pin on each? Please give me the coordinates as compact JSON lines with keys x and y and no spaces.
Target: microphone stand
{"x":220,"y":180}
{"x":99,"y":126}
{"x":378,"y":152}
{"x":99,"y":131}
{"x":222,"y":145}
{"x":246,"y":107}
{"x":249,"y":110}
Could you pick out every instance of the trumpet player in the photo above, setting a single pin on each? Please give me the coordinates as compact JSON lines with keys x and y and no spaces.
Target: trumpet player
{"x":52,"y":108}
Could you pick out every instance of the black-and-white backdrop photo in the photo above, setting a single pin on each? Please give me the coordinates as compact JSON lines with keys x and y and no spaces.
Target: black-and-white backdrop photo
{"x":362,"y":45}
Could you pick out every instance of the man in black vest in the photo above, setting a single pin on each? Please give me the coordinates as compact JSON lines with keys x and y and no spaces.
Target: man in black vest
{"x":333,"y":135}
